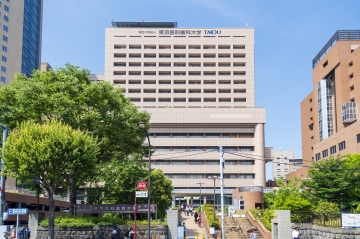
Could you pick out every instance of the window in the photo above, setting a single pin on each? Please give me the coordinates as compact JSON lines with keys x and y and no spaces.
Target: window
{"x":5,"y":28}
{"x":230,"y":163}
{"x":179,"y":162}
{"x":6,"y":8}
{"x":358,"y":138}
{"x":209,"y":149}
{"x":162,"y":162}
{"x":212,"y":162}
{"x":6,"y":18}
{"x":333,"y":149}
{"x":247,"y":162}
{"x":247,"y":176}
{"x":4,"y":58}
{"x":317,"y":157}
{"x":179,"y":149}
{"x":163,"y":135}
{"x":4,"y":48}
{"x":196,"y":162}
{"x":342,"y":145}
{"x":230,"y":176}
{"x":196,"y":148}
{"x":196,"y":176}
{"x":325,"y":153}
{"x":196,"y":135}
{"x":5,"y":38}
{"x":212,"y":135}
{"x":179,"y":135}
{"x":227,"y":149}
{"x":246,"y":148}
{"x":3,"y":69}
{"x":178,"y":176}
{"x":278,"y":164}
{"x":225,"y":135}
{"x":162,"y":148}
{"x":3,"y":79}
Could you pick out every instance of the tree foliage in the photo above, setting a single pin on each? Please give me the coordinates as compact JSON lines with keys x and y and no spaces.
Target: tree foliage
{"x":47,"y":155}
{"x":335,"y":180}
{"x":119,"y":186}
{"x":67,"y":94}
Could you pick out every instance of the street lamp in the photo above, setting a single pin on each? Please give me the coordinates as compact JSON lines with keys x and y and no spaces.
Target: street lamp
{"x":200,"y":183}
{"x":214,"y":178}
{"x":142,"y":125}
{"x":5,"y":129}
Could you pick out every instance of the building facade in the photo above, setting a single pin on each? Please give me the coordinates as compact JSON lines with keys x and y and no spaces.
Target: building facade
{"x":198,"y":85}
{"x":284,"y":163}
{"x":329,"y":113}
{"x":21,"y":27}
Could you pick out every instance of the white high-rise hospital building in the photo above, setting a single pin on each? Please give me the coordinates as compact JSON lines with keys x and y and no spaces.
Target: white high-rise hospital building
{"x":198,"y":84}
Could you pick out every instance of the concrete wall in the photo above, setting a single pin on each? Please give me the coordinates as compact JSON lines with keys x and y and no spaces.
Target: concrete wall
{"x":309,"y":231}
{"x":157,"y":232}
{"x":283,"y":222}
{"x":173,"y":222}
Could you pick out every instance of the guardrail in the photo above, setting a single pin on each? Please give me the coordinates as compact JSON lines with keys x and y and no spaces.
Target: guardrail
{"x":256,"y":223}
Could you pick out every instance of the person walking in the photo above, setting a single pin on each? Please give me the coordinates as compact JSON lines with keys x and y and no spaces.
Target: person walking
{"x":21,"y":233}
{"x":184,"y":229}
{"x":296,"y":233}
{"x":196,"y":215}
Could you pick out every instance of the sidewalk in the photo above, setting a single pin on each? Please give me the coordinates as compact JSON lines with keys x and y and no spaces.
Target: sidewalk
{"x":192,"y":228}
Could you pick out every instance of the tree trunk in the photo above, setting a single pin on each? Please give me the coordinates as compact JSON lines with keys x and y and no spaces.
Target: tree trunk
{"x":51,"y":214}
{"x":72,"y":198}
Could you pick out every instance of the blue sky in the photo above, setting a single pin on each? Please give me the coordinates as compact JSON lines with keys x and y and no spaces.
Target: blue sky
{"x":288,"y":35}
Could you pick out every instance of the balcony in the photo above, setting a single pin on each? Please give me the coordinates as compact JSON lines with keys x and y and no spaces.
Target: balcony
{"x":349,"y":112}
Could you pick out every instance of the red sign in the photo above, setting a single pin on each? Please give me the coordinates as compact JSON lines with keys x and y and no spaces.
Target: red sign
{"x":141,"y":185}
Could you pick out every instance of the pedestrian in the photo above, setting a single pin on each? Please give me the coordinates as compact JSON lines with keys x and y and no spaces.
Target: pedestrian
{"x":21,"y":233}
{"x":191,"y":210}
{"x":253,"y":235}
{"x":114,"y":234}
{"x":196,"y":216}
{"x":184,"y":229}
{"x":296,"y":233}
{"x":187,"y":210}
{"x":28,"y":232}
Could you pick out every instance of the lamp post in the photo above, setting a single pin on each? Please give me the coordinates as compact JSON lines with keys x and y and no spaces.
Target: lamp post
{"x":200,"y":183}
{"x":142,"y":125}
{"x":5,"y":129}
{"x":214,"y":178}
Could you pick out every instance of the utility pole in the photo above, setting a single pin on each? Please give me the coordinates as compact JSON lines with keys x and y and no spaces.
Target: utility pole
{"x":2,"y":191}
{"x":200,"y":192}
{"x":222,"y":166}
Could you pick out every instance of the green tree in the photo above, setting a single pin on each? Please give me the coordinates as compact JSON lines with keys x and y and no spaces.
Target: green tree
{"x":68,"y":95}
{"x":43,"y":155}
{"x":334,"y":180}
{"x":119,"y":185}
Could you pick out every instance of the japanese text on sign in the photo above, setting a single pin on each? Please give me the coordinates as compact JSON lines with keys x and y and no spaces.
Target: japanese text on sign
{"x":113,"y":208}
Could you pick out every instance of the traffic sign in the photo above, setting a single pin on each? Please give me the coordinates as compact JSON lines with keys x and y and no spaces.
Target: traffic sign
{"x":141,"y":194}
{"x":142,"y":185}
{"x":14,"y":211}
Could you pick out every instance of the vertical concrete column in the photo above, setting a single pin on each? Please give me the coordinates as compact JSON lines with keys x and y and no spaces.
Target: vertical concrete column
{"x":187,"y":200}
{"x":204,"y":200}
{"x":173,"y":203}
{"x":259,"y":143}
{"x":191,"y":201}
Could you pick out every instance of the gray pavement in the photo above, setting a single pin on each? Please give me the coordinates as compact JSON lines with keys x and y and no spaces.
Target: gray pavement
{"x":192,"y":228}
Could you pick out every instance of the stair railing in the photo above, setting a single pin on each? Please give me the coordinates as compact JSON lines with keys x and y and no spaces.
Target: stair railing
{"x":238,"y":225}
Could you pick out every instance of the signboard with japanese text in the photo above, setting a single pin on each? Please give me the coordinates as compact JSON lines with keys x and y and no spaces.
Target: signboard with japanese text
{"x":14,"y":211}
{"x":141,"y":194}
{"x":113,"y":208}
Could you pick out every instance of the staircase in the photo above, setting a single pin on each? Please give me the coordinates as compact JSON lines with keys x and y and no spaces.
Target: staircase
{"x":232,"y":231}
{"x":245,"y":224}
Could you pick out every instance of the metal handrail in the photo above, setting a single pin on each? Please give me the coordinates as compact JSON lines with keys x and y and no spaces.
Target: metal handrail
{"x":238,"y":225}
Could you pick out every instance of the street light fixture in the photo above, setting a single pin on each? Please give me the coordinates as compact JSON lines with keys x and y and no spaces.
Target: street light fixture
{"x":214,"y":178}
{"x":200,"y":183}
{"x":142,"y":125}
{"x":5,"y":129}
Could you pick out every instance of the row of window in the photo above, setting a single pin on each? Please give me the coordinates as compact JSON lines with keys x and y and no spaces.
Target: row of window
{"x":5,"y":39}
{"x":181,"y":82}
{"x":200,"y":135}
{"x":179,"y":64}
{"x":202,"y":148}
{"x":179,"y":47}
{"x":179,"y":55}
{"x":231,"y":176}
{"x":325,"y":153}
{"x":231,"y":162}
{"x":180,"y":73}
{"x":169,"y":91}
{"x":188,"y":100}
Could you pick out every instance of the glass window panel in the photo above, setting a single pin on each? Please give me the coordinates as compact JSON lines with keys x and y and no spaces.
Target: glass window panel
{"x":196,"y":135}
{"x":179,"y":135}
{"x":196,"y":162}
